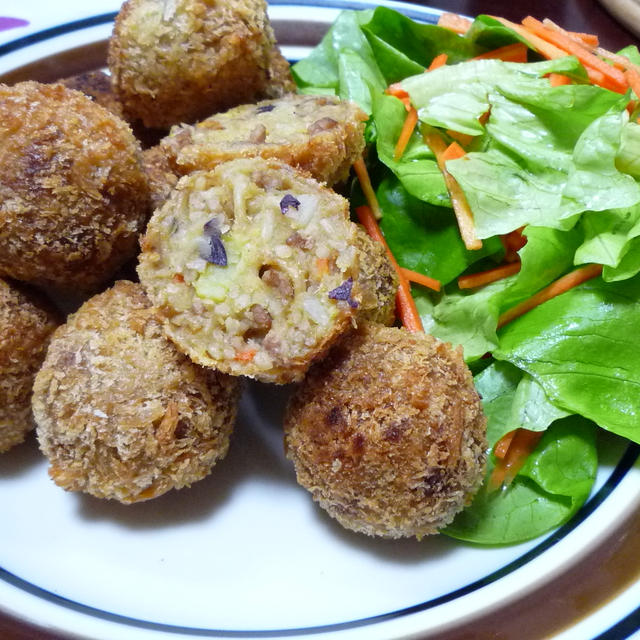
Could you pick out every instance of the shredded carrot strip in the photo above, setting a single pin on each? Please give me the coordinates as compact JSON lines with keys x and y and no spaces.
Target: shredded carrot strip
{"x":490,"y":275}
{"x":461,"y":208}
{"x":633,"y":78}
{"x":589,"y":40}
{"x":453,"y":152}
{"x":516,"y":52}
{"x":562,"y":285}
{"x":558,"y":79}
{"x":454,"y":22}
{"x":397,"y":91}
{"x":405,"y":304}
{"x":612,"y":78}
{"x":245,"y":356}
{"x":439,"y":61}
{"x":512,"y":243}
{"x":522,"y":442}
{"x":502,"y":446}
{"x":543,"y":47}
{"x":463,"y":138}
{"x":405,"y":135}
{"x":420,"y":278}
{"x":365,"y":182}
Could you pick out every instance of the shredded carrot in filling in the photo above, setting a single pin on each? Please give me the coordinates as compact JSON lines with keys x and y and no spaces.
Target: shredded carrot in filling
{"x":245,"y":356}
{"x":405,"y":304}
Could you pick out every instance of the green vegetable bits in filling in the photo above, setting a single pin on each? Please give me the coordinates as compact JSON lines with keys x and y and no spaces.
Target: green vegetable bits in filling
{"x":254,"y":267}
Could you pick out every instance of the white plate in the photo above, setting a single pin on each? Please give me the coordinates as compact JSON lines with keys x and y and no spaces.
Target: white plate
{"x":245,"y":553}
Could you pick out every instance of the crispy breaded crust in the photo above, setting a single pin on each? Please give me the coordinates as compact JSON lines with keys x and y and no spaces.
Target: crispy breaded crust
{"x":280,"y":79}
{"x":160,"y":175}
{"x":26,"y":324}
{"x":317,"y":134}
{"x":120,"y":412}
{"x":388,"y":433}
{"x":96,"y":85}
{"x":180,"y":61}
{"x":269,"y":311}
{"x":73,"y":195}
{"x":378,"y":281}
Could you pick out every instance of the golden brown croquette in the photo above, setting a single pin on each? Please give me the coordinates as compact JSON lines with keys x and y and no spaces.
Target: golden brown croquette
{"x":387,"y":433}
{"x":253,"y":267}
{"x":378,"y":281}
{"x":160,"y":175}
{"x":26,"y":324}
{"x":97,"y":86}
{"x":73,"y":194}
{"x":318,"y":134}
{"x":120,"y":412}
{"x":180,"y":61}
{"x":280,"y":79}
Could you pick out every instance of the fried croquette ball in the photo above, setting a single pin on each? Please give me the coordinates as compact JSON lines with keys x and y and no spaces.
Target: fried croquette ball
{"x":254,"y":268}
{"x":26,"y":324}
{"x":318,"y":134}
{"x":122,"y":414}
{"x":160,"y":175}
{"x":378,"y":281}
{"x":280,"y":79}
{"x":97,"y":86}
{"x":73,"y":194}
{"x":182,"y":60}
{"x":387,"y":433}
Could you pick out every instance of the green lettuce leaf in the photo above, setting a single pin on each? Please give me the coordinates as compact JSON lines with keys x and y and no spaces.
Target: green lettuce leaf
{"x":423,"y":237}
{"x":582,"y":348}
{"x":553,"y":484}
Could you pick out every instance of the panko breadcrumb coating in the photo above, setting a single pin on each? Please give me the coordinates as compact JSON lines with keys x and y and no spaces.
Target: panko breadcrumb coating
{"x":97,"y":86}
{"x":160,"y":175}
{"x":378,"y":281}
{"x":388,"y":433}
{"x":73,"y":195}
{"x":26,"y":324}
{"x":318,"y":134}
{"x":182,"y":60}
{"x":254,"y":268}
{"x":280,"y":79}
{"x":120,"y":412}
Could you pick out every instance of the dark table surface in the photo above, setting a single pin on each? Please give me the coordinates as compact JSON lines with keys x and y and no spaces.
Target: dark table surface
{"x":576,"y":15}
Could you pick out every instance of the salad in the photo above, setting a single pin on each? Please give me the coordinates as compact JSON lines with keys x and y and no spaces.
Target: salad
{"x":503,"y":163}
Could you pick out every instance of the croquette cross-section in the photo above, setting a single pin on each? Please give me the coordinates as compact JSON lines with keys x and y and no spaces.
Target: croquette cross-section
{"x":253,"y":266}
{"x":318,"y":134}
{"x":183,"y":60}
{"x":388,"y":433}
{"x":73,"y":194}
{"x":120,"y":412}
{"x":26,"y":324}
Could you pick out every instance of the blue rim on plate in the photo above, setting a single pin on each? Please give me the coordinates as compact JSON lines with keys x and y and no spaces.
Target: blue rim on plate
{"x":626,"y":462}
{"x":624,"y":465}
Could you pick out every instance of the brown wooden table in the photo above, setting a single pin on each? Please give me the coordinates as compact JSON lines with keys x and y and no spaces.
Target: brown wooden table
{"x":546,"y":613}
